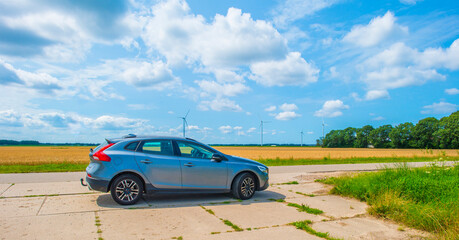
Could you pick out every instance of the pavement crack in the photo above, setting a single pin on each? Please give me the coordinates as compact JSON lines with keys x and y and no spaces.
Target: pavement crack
{"x":43,"y":203}
{"x":98,"y":224}
{"x":12,"y":184}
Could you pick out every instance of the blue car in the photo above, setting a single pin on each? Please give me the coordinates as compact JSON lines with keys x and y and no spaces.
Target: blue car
{"x":133,"y":165}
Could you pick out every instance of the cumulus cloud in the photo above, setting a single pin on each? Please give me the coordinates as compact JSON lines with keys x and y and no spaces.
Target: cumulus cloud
{"x":219,"y":90}
{"x":452,"y":91}
{"x":293,"y":71}
{"x":331,"y":108}
{"x":154,"y":75}
{"x":410,"y":2}
{"x":375,"y":94}
{"x":229,"y":41}
{"x":287,"y":112}
{"x":288,"y":115}
{"x":440,"y":108}
{"x":270,"y":108}
{"x":57,"y":31}
{"x":225,"y":129}
{"x":401,"y":66}
{"x":378,"y":30}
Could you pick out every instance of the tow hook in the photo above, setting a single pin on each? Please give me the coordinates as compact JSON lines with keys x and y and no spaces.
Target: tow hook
{"x":82,"y":182}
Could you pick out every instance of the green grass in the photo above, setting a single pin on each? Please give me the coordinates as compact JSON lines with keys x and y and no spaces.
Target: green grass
{"x":304,"y":225}
{"x":423,"y":198}
{"x":53,"y":167}
{"x":277,"y":200}
{"x":291,"y":161}
{"x":306,"y":194}
{"x":289,"y":183}
{"x":306,"y":208}
{"x":235,"y":227}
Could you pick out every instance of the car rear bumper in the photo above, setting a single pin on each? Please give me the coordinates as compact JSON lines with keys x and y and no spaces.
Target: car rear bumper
{"x":98,"y":185}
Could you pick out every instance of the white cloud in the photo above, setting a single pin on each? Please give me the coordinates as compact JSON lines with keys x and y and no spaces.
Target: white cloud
{"x":155,"y":75}
{"x":138,"y":106}
{"x":231,"y":40}
{"x":271,"y":108}
{"x":225,"y":129}
{"x":440,"y":108}
{"x":452,"y":91}
{"x":402,"y":66}
{"x":288,"y":115}
{"x":310,"y":132}
{"x":193,"y":127}
{"x":293,"y":71}
{"x":252,"y":129}
{"x":378,"y":30}
{"x":288,"y":107}
{"x":220,"y":104}
{"x":375,"y":94}
{"x":292,"y":10}
{"x":331,"y":108}
{"x":379,"y":118}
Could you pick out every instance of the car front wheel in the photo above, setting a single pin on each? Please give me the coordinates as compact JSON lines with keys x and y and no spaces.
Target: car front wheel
{"x":126,"y":189}
{"x":243,"y":186}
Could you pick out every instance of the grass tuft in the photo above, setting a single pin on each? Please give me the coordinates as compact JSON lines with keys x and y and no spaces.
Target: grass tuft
{"x":423,"y":198}
{"x":304,"y":225}
{"x":306,"y":208}
{"x":235,"y":227}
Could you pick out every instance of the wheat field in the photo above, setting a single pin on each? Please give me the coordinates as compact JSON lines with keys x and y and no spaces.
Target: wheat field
{"x":69,"y":154}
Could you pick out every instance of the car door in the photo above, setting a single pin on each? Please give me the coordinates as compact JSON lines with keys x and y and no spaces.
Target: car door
{"x":199,"y":171}
{"x":158,"y":163}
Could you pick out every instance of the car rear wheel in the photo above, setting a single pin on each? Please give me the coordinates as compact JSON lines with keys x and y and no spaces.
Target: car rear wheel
{"x":126,"y":189}
{"x":243,"y":186}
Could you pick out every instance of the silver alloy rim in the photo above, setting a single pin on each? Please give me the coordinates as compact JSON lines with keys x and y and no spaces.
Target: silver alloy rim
{"x":127,"y":190}
{"x":247,"y":187}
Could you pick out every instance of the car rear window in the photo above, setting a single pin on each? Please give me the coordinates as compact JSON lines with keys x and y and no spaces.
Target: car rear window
{"x":160,"y":147}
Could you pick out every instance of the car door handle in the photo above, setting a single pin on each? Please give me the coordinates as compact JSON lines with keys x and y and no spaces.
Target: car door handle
{"x":145,"y":161}
{"x":188,"y":164}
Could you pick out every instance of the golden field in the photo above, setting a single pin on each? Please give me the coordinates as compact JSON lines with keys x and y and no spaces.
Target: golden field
{"x":61,"y":154}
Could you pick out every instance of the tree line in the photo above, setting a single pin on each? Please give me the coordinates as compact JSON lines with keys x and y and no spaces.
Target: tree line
{"x":427,"y":133}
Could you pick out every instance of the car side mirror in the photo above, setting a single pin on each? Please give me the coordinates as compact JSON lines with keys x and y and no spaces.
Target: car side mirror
{"x":217,"y":157}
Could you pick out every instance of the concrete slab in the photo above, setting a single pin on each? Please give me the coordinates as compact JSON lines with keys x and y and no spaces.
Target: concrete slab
{"x":283,"y":232}
{"x":306,"y":188}
{"x":264,"y":214}
{"x":20,"y":207}
{"x":70,"y":204}
{"x":334,"y":206}
{"x":27,"y":189}
{"x":362,"y":228}
{"x":63,"y":226}
{"x":188,"y":222}
{"x":106,"y":202}
{"x":3,"y":187}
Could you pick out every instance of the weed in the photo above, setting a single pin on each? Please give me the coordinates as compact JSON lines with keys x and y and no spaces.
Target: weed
{"x":306,"y":194}
{"x":276,"y":200}
{"x":304,"y":225}
{"x":306,"y":208}
{"x":215,"y":232}
{"x":235,"y":227}
{"x":289,"y":183}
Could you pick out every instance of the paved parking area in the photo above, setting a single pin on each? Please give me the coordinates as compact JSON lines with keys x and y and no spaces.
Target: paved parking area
{"x":67,"y":210}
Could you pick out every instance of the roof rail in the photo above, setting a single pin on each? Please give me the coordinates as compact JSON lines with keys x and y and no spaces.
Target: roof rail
{"x":130,"y":135}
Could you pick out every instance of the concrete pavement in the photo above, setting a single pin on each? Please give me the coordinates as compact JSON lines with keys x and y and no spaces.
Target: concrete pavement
{"x":56,"y":206}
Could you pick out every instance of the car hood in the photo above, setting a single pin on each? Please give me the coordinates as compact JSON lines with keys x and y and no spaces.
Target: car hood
{"x":245,"y":160}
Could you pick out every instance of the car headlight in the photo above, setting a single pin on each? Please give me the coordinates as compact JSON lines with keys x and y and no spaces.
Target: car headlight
{"x":263,"y":169}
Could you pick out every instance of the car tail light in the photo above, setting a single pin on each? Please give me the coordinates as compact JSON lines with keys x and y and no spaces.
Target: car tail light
{"x":101,"y":156}
{"x":89,"y":175}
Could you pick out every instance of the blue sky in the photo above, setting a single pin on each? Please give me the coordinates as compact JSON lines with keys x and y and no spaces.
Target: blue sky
{"x":80,"y":71}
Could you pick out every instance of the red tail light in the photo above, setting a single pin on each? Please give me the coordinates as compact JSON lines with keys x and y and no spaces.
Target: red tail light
{"x":101,"y":156}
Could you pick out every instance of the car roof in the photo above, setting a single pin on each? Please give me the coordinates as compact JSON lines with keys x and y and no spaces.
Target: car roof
{"x":144,"y":137}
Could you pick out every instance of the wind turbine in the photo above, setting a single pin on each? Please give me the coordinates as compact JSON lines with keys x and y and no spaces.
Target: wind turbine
{"x":261,"y":127}
{"x":302,"y":133}
{"x":185,"y":122}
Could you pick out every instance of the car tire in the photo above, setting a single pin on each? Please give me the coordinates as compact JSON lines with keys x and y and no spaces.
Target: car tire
{"x":126,"y":189}
{"x":244,"y":186}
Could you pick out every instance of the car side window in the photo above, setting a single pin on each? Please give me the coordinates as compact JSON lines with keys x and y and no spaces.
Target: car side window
{"x":132,"y":146}
{"x":159,"y":147}
{"x":192,"y":150}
